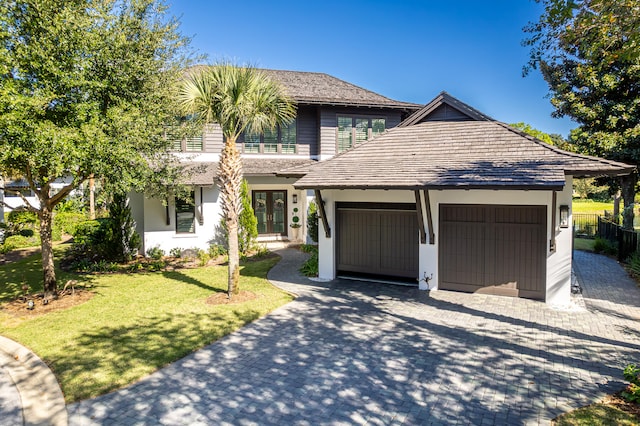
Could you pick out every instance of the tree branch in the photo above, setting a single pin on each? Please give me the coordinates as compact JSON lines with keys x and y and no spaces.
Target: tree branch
{"x":19,"y":194}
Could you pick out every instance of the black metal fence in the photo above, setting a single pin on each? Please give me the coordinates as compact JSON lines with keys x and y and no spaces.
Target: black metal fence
{"x":585,"y":225}
{"x":627,"y":241}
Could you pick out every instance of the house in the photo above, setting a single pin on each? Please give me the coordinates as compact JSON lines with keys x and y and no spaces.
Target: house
{"x":441,"y":194}
{"x":332,"y":116}
{"x":456,"y":200}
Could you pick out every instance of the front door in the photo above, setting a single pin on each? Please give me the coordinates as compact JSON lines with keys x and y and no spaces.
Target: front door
{"x":270,"y":208}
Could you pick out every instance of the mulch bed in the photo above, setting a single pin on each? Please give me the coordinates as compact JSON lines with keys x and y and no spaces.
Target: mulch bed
{"x":620,"y":403}
{"x":223,"y":299}
{"x":66,"y":299}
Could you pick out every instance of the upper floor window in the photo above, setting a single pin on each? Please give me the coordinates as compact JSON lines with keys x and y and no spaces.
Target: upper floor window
{"x":353,"y":130}
{"x":186,"y":214}
{"x":281,"y":140}
{"x":182,"y":142}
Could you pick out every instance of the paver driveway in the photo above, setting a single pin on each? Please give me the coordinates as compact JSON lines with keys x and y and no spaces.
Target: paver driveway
{"x":352,"y":353}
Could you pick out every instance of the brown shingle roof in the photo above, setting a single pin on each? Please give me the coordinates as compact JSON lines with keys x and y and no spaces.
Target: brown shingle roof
{"x":455,"y":154}
{"x":323,"y":89}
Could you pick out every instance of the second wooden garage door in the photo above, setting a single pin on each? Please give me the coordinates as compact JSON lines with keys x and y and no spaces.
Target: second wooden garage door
{"x":493,"y":249}
{"x":378,"y":239}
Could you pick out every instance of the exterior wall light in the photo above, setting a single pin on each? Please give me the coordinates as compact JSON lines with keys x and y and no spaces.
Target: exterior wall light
{"x":564,"y":216}
{"x":295,"y":198}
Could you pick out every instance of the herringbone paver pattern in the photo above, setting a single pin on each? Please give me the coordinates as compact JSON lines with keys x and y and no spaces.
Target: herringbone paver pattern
{"x":362,"y":353}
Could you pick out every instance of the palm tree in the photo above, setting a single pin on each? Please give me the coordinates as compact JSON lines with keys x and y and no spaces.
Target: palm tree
{"x":238,"y":99}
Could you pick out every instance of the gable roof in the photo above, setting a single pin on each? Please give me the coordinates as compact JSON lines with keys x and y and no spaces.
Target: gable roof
{"x":446,"y":103}
{"x":466,"y":154}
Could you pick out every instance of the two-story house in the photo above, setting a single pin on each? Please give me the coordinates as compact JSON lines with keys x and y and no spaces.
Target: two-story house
{"x":332,"y":116}
{"x":441,"y":195}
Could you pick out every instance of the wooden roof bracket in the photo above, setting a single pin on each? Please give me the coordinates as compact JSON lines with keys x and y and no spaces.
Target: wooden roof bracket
{"x":552,"y":242}
{"x":323,"y":214}
{"x":423,"y":234}
{"x":427,"y":203}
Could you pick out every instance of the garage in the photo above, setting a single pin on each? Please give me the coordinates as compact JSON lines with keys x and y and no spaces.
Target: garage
{"x":377,"y":240}
{"x":493,"y":249}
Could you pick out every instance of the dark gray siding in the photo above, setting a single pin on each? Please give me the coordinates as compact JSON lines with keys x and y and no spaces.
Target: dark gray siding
{"x":213,"y":140}
{"x":447,"y":113}
{"x":307,"y":131}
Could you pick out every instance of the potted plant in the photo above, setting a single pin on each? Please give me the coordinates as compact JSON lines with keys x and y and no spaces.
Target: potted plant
{"x":295,"y":223}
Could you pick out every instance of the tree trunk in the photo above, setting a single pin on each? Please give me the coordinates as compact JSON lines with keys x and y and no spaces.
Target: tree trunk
{"x":46,"y":242}
{"x":92,"y":199}
{"x":230,"y":180}
{"x":234,"y":257}
{"x":628,"y":184}
{"x":616,"y":206}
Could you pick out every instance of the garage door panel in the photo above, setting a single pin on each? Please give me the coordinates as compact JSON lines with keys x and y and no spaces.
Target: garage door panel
{"x":464,"y":251}
{"x":377,"y":241}
{"x":398,"y":244}
{"x":358,"y":246}
{"x":504,"y":254}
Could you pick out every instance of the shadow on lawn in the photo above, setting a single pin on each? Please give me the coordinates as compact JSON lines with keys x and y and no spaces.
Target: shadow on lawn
{"x":108,"y":358}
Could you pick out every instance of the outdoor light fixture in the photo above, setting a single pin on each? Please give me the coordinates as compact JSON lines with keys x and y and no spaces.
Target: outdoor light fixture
{"x":564,"y":216}
{"x":30,"y":305}
{"x":295,"y":198}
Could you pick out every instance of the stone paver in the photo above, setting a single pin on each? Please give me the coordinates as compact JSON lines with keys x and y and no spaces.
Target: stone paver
{"x":361,"y":353}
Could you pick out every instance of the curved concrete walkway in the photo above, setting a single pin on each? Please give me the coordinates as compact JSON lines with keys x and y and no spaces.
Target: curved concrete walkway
{"x":361,"y":353}
{"x":29,"y":392}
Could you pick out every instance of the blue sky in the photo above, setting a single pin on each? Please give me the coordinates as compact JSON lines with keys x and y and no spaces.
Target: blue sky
{"x":408,"y":50}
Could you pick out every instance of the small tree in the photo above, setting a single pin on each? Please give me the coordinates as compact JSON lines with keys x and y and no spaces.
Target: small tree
{"x":125,"y":240}
{"x":247,"y":221}
{"x":85,"y":89}
{"x":312,"y":222}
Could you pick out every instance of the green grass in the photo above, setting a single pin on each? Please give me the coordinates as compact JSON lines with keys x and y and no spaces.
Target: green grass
{"x":597,"y":415}
{"x":585,"y":244}
{"x":592,"y":207}
{"x":135,"y":323}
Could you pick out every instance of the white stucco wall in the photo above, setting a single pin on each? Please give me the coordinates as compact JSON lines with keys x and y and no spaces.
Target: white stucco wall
{"x":558,"y":262}
{"x":151,"y":217}
{"x":158,"y":234}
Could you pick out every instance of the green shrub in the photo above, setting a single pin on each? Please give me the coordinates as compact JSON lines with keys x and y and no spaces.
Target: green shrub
{"x":155,"y":253}
{"x":175,"y":252}
{"x":110,"y":239}
{"x":312,"y":222}
{"x":22,"y":217}
{"x":310,"y":267}
{"x":602,"y":245}
{"x":26,"y":232}
{"x":216,"y":250}
{"x":203,"y":257}
{"x":632,"y":391}
{"x":66,"y":221}
{"x":20,"y":241}
{"x":634,"y":263}
{"x":247,"y":221}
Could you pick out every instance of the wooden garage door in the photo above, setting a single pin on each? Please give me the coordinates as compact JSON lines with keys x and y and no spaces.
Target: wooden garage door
{"x":377,"y":239}
{"x":493,"y":249}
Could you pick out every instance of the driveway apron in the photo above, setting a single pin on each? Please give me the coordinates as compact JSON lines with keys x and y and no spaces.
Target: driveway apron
{"x":348,"y":352}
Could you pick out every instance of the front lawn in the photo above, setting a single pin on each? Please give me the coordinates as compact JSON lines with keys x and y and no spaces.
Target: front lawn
{"x":135,"y":323}
{"x":591,"y":207}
